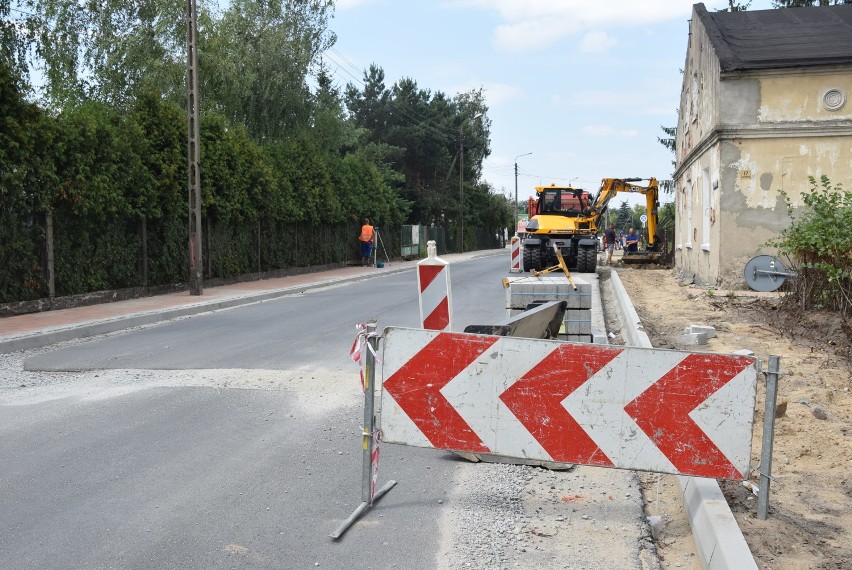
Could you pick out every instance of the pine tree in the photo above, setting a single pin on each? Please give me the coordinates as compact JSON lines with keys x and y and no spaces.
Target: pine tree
{"x":805,"y":3}
{"x":625,"y":217}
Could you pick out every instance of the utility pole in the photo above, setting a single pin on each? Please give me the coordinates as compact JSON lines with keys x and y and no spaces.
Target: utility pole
{"x":196,"y":286}
{"x":461,"y":187}
{"x":516,"y":190}
{"x":461,"y":177}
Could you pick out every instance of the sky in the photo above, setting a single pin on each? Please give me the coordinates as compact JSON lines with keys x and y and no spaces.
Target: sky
{"x":583,"y":85}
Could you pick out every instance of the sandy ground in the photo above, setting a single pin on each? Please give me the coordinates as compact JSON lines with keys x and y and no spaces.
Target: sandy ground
{"x":810,"y":514}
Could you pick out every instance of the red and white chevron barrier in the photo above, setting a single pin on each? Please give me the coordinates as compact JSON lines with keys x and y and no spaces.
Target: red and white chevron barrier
{"x":633,"y":408}
{"x":433,"y":280}
{"x":517,"y":265}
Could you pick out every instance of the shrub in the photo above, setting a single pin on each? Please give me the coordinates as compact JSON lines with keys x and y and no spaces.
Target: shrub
{"x":819,"y":241}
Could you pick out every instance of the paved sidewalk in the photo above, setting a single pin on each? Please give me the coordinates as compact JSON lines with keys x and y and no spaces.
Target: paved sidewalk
{"x":40,"y":329}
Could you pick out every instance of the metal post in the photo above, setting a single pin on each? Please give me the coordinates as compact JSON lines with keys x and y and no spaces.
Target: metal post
{"x":768,"y":437}
{"x":196,"y":286}
{"x":49,"y":247}
{"x":516,"y":190}
{"x":369,"y":418}
{"x":461,"y":186}
{"x":367,"y":433}
{"x":515,"y":221}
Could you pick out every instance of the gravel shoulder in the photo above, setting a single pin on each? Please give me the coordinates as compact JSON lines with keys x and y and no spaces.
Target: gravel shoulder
{"x":811,"y":496}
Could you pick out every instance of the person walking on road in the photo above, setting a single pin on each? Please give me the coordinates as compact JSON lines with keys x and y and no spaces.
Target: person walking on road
{"x":367,"y":237}
{"x":610,"y":239}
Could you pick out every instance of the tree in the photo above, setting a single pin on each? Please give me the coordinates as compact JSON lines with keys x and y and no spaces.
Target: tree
{"x":804,"y":3}
{"x":257,"y":60}
{"x":625,"y":216}
{"x":734,"y":6}
{"x":670,"y":142}
{"x":420,"y":134}
{"x":16,"y":34}
{"x":27,"y":186}
{"x":110,"y":50}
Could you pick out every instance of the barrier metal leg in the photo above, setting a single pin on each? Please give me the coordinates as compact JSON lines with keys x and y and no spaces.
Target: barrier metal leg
{"x":768,"y":438}
{"x":368,"y":463}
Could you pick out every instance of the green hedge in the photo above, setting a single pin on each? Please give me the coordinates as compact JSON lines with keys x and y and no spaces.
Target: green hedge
{"x":114,"y":184}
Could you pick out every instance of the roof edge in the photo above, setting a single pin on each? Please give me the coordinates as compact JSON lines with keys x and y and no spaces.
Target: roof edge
{"x":727,"y":59}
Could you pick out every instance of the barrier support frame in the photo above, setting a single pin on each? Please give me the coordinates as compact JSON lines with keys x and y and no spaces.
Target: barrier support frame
{"x":368,"y":499}
{"x":768,"y":440}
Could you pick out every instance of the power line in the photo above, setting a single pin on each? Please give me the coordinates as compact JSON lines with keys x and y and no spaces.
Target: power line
{"x":411,"y":115}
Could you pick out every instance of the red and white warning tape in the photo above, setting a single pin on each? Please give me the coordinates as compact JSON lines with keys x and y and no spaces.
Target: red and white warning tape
{"x":357,"y":350}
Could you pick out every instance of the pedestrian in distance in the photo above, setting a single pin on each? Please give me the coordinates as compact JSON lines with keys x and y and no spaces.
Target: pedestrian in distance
{"x":631,"y":241}
{"x":610,"y":238}
{"x":367,"y":238}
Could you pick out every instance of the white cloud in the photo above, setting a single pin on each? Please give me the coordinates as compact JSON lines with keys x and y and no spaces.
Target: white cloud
{"x":536,"y":24}
{"x":607,"y":131}
{"x":598,"y":130}
{"x":597,"y":42}
{"x":498,"y":93}
{"x":648,"y":99}
{"x":561,"y":155}
{"x":495,"y":94}
{"x":530,"y":35}
{"x":348,"y":4}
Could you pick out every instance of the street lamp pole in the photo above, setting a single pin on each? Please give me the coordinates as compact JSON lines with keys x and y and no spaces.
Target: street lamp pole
{"x":516,"y":189}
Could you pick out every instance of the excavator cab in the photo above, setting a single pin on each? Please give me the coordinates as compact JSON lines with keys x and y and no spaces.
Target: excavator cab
{"x":563,"y":201}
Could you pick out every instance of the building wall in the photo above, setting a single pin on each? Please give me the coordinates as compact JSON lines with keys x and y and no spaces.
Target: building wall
{"x":799,"y":98}
{"x":742,"y":140}
{"x":755,"y":172}
{"x":697,"y":236}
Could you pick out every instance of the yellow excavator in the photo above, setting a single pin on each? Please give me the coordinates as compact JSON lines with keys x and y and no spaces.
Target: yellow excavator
{"x":566,"y":218}
{"x":612,"y":186}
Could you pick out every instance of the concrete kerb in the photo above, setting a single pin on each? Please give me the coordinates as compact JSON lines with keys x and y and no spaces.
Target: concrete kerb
{"x":718,"y":538}
{"x":105,"y":326}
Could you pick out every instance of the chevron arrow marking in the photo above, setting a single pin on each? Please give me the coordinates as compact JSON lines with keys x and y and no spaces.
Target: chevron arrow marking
{"x":662,"y":412}
{"x":416,"y":387}
{"x":536,"y":400}
{"x":632,"y":408}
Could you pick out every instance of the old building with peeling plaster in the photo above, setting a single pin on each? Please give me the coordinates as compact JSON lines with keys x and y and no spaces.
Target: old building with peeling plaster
{"x":764,"y":105}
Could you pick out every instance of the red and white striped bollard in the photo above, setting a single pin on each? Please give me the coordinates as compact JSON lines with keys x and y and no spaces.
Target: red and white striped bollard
{"x":517,"y":265}
{"x":433,"y":280}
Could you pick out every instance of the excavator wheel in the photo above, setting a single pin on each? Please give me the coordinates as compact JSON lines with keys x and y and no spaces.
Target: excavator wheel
{"x":527,"y":259}
{"x":587,"y":260}
{"x":535,"y":260}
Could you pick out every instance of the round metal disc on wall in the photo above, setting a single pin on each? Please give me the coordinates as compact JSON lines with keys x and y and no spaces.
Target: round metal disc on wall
{"x":834,"y":99}
{"x":765,"y":273}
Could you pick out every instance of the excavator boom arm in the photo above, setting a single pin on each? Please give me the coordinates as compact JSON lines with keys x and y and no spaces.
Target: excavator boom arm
{"x":612,"y":186}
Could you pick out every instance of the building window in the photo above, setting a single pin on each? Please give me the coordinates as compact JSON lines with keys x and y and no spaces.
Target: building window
{"x":706,"y":209}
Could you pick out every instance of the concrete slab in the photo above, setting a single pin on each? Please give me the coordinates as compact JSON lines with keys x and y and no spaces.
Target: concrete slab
{"x":692,"y":339}
{"x":523,"y":290}
{"x":709,"y":331}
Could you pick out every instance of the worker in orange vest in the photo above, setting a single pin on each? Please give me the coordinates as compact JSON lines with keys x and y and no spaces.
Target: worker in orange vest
{"x":366,"y":238}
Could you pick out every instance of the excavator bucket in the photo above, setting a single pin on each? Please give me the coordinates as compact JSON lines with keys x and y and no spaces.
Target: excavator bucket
{"x":642,"y":257}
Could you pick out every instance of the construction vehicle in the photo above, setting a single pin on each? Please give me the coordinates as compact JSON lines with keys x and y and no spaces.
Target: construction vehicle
{"x":558,"y":220}
{"x":566,"y":218}
{"x":653,"y":253}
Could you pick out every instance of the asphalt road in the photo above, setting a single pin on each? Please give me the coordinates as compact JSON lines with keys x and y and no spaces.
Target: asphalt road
{"x":202,"y":477}
{"x":232,"y":440}
{"x":298,"y":330}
